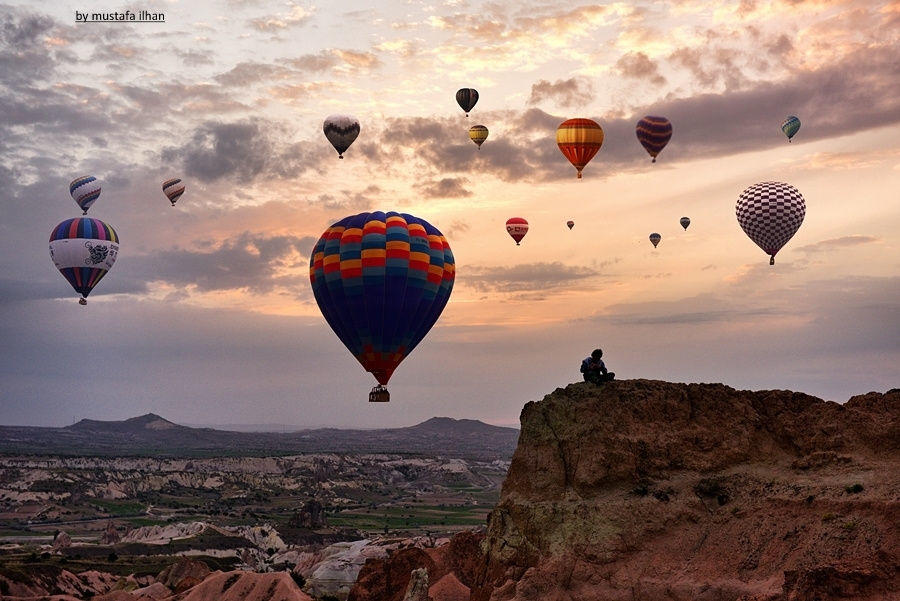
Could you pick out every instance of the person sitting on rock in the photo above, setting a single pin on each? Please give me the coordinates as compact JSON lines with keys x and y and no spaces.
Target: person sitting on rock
{"x":594,"y":369}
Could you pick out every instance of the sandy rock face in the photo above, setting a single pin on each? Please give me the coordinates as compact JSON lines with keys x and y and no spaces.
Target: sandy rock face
{"x":61,"y":541}
{"x":417,"y":590}
{"x":246,"y":586}
{"x":183,"y":574}
{"x":453,"y":567}
{"x":657,"y":491}
{"x":697,"y":491}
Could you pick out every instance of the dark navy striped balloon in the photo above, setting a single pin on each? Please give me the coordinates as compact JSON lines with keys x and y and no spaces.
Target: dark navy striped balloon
{"x":654,"y":133}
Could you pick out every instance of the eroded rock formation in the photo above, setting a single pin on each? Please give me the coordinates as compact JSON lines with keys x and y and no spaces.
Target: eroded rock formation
{"x":658,"y":491}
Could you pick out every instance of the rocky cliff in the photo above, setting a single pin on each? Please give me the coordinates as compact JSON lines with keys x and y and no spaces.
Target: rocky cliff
{"x":651,"y":490}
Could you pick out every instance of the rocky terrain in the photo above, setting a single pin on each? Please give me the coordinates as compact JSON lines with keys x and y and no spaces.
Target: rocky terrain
{"x":648,"y":490}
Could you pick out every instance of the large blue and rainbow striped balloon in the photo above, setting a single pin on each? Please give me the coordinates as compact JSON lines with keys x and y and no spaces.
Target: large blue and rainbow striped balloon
{"x":84,"y":250}
{"x":381,"y":280}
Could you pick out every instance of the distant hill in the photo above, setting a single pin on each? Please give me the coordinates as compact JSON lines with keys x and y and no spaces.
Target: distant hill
{"x":149,"y":421}
{"x":151,"y":434}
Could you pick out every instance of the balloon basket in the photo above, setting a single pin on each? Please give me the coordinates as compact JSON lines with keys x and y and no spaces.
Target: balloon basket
{"x":379,"y":394}
{"x":340,"y":156}
{"x":82,"y":301}
{"x":771,"y":260}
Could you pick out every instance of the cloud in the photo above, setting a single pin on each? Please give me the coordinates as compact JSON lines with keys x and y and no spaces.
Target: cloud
{"x":243,"y":151}
{"x":638,"y":65}
{"x":572,"y":92}
{"x":839,"y":99}
{"x":249,"y":261}
{"x":448,"y":187}
{"x":837,"y":243}
{"x":24,"y":57}
{"x":348,"y":200}
{"x":295,"y":17}
{"x":456,"y":229}
{"x":195,"y":58}
{"x":526,"y":277}
{"x":833,"y":161}
{"x":248,"y":73}
{"x":709,"y":66}
{"x":360,"y":60}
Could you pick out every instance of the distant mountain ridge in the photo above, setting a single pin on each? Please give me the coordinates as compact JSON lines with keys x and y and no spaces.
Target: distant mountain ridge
{"x":151,"y":434}
{"x":148,"y":421}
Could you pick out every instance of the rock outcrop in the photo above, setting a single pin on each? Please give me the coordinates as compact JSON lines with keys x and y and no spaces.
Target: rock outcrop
{"x":110,"y":535}
{"x":658,"y":491}
{"x":61,"y":541}
{"x":246,"y":586}
{"x":183,"y":574}
{"x":417,"y":590}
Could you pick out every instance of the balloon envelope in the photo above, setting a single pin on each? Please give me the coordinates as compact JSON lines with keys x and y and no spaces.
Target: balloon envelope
{"x":770,"y":213}
{"x":466,"y":99}
{"x":655,"y":238}
{"x":84,"y":190}
{"x":653,"y":133}
{"x":685,"y":222}
{"x":478,"y":134}
{"x":173,"y":189}
{"x":579,"y":140}
{"x":517,"y":228}
{"x":381,"y":281}
{"x":84,"y":250}
{"x":790,"y":126}
{"x":341,"y":131}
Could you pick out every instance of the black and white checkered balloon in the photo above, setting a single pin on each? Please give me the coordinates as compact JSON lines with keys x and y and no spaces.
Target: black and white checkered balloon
{"x":770,"y":213}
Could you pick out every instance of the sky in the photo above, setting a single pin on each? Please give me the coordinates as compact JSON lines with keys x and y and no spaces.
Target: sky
{"x":208,"y":316}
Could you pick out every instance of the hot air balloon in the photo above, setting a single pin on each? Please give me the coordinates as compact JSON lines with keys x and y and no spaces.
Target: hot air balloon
{"x":653,"y":133}
{"x":478,"y":134}
{"x":570,"y":223}
{"x":770,"y":213}
{"x":685,"y":222}
{"x":517,"y":228}
{"x":655,"y":238}
{"x":790,"y":126}
{"x":83,"y":249}
{"x":85,"y":190}
{"x":466,"y":98}
{"x":341,"y":131}
{"x":579,"y":140}
{"x":381,"y":281}
{"x":173,"y":189}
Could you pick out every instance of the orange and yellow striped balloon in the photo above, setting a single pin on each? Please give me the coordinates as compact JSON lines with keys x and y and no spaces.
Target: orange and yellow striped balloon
{"x":478,"y":134}
{"x":579,"y":140}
